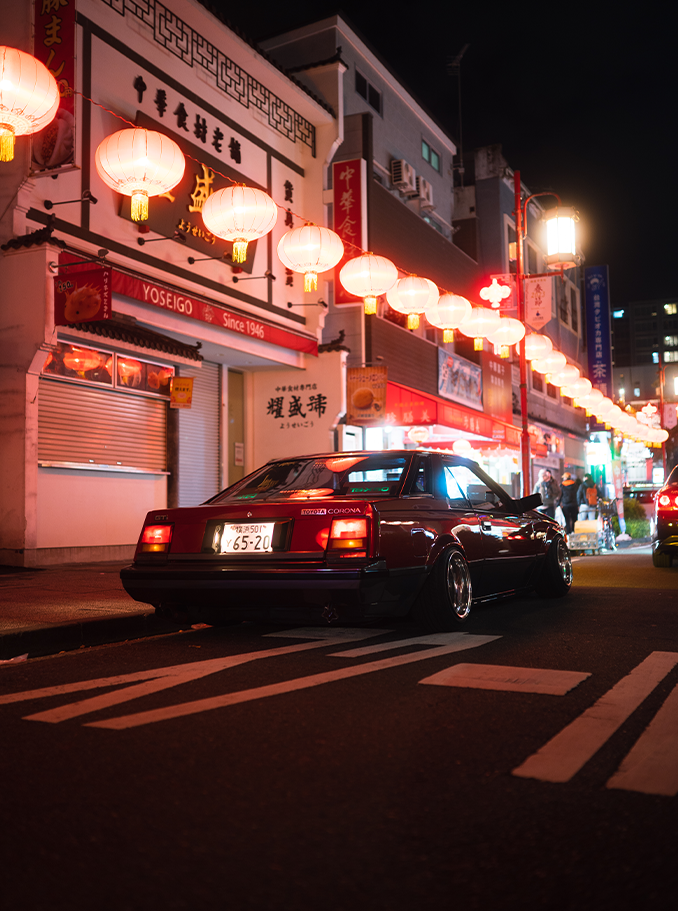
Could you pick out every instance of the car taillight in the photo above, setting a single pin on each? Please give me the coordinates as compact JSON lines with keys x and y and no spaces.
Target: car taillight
{"x":348,"y":537}
{"x":156,"y":538}
{"x":666,"y":503}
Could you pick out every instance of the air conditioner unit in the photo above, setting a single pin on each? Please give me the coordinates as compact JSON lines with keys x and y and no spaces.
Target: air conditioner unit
{"x":425,"y":193}
{"x":403,"y":177}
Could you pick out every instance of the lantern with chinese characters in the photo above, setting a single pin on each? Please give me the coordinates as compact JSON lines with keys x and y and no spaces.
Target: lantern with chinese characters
{"x":412,"y":295}
{"x":480,"y":324}
{"x":508,"y":332}
{"x":139,"y":163}
{"x":368,"y":276}
{"x":29,"y":97}
{"x":550,"y":364}
{"x":447,"y":313}
{"x":240,"y":214}
{"x":537,"y":346}
{"x":310,"y":249}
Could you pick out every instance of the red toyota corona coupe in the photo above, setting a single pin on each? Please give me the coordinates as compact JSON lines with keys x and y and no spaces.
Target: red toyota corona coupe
{"x":349,"y":536}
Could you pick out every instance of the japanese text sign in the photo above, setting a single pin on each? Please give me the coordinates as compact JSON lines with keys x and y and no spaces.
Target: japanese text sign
{"x":350,"y":216}
{"x":597,"y":297}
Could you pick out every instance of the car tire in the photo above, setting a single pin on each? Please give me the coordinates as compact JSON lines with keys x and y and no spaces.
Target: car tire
{"x":444,"y":603}
{"x":555,"y":578}
{"x":659,"y":558}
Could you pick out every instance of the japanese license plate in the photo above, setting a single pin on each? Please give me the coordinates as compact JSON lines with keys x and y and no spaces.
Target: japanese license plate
{"x":249,"y":538}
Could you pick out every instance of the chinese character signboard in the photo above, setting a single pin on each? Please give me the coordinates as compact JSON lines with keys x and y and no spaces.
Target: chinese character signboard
{"x":296,"y":411}
{"x":55,"y":47}
{"x":82,"y":297}
{"x":497,"y":387}
{"x":538,"y":301}
{"x":350,"y":216}
{"x":460,"y":380}
{"x":181,"y":392}
{"x":366,"y":395}
{"x":597,"y":296}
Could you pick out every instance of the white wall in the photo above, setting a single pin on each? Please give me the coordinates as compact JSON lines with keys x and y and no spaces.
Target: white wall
{"x":72,"y":504}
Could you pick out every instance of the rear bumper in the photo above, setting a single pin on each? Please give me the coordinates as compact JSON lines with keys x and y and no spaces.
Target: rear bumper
{"x":667,"y":544}
{"x":271,"y":587}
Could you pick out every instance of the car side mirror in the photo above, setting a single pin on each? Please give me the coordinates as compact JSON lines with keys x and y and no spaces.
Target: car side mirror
{"x":530,"y":502}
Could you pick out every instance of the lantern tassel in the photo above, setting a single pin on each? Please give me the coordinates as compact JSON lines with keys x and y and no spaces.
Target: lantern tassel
{"x":448,"y":336}
{"x":239,"y":250}
{"x":139,"y":211}
{"x":412,"y":320}
{"x":310,"y":281}
{"x":478,"y":344}
{"x":6,"y":142}
{"x":370,"y":305}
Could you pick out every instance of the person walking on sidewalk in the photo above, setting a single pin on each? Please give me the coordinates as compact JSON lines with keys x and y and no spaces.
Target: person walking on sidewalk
{"x":568,"y":501}
{"x":548,"y":488}
{"x":588,"y":496}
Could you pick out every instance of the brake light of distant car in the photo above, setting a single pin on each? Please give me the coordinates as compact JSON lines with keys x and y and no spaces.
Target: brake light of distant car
{"x":349,"y":537}
{"x":156,"y":538}
{"x":665,"y":501}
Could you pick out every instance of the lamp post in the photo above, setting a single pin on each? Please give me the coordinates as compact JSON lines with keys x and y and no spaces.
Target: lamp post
{"x":562,"y":256}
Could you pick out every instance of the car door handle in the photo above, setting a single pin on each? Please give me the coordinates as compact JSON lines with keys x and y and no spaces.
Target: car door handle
{"x":486,"y":525}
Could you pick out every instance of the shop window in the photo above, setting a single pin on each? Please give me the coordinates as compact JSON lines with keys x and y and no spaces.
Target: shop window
{"x":98,"y":367}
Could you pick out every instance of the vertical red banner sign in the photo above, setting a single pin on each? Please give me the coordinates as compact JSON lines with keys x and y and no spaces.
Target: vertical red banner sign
{"x":55,"y":47}
{"x":350,"y":216}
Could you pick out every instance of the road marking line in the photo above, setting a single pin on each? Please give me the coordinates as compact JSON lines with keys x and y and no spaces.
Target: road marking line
{"x":432,"y":639}
{"x":166,"y":677}
{"x":508,"y":679}
{"x":652,"y":765}
{"x":565,"y":754}
{"x":276,"y":689}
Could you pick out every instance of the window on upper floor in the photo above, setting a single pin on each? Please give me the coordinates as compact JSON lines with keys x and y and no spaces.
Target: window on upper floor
{"x":671,"y":309}
{"x":670,"y":357}
{"x":532,"y":261}
{"x":367,"y":91}
{"x":537,"y":381}
{"x":430,"y":155}
{"x":562,"y":306}
{"x":671,"y":341}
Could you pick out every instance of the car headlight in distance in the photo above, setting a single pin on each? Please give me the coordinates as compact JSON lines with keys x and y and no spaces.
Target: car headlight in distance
{"x":348,"y":537}
{"x":156,"y":538}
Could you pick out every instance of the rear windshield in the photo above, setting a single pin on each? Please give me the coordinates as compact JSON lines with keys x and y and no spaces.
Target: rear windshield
{"x":378,"y":475}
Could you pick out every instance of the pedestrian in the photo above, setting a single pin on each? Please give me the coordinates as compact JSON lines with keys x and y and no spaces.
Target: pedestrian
{"x":548,"y":488}
{"x":568,"y":501}
{"x":588,"y":496}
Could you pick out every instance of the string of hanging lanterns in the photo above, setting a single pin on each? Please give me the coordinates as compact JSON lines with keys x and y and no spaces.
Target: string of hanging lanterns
{"x":142,"y":163}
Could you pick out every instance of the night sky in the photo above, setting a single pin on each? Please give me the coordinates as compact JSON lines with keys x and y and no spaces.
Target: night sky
{"x":584,"y":107}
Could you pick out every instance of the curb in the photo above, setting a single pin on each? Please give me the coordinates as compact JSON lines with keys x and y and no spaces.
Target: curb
{"x":68,"y":637}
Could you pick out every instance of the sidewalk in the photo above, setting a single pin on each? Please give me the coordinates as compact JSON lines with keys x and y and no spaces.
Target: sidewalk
{"x":52,"y":609}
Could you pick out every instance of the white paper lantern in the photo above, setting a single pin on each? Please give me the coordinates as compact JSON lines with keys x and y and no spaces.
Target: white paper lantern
{"x":29,"y":97}
{"x":139,"y":163}
{"x":447,"y":313}
{"x":368,"y":276}
{"x":310,"y":250}
{"x":412,"y":295}
{"x":240,"y":214}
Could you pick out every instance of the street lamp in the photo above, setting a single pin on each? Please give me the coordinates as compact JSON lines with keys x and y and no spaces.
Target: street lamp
{"x":561,"y":255}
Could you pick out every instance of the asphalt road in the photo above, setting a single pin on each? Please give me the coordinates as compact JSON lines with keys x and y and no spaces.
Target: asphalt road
{"x":530,"y":762}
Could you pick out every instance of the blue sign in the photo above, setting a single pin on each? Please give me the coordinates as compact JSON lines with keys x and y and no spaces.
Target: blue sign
{"x":597,"y":297}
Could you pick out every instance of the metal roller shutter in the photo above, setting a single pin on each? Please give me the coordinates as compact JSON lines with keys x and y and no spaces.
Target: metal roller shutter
{"x":83,"y":425}
{"x":200,"y":436}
